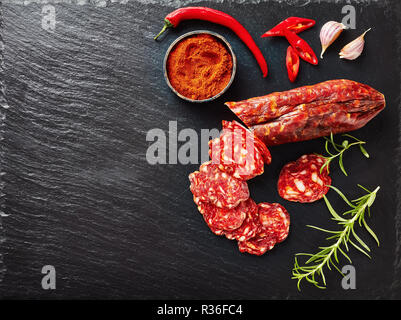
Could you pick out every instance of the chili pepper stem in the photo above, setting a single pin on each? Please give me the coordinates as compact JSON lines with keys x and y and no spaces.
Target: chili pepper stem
{"x":167,"y":24}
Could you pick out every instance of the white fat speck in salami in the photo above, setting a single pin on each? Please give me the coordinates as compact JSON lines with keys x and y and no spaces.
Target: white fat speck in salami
{"x":301,"y":180}
{"x":300,"y":185}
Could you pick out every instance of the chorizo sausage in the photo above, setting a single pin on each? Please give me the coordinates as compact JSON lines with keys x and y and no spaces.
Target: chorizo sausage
{"x":310,"y":112}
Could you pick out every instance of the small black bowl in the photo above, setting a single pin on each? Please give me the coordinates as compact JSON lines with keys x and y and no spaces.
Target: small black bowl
{"x":189,"y":34}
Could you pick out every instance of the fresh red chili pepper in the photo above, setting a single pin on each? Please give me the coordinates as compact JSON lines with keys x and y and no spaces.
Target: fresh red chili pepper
{"x":303,"y":49}
{"x":292,"y":63}
{"x":207,"y":14}
{"x":293,"y":24}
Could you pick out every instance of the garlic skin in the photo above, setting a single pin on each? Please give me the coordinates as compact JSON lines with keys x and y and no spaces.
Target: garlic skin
{"x":329,"y":33}
{"x":355,"y":48}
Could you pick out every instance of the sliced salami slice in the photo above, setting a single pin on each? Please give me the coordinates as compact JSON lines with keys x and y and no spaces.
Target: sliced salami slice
{"x":301,"y":181}
{"x":275,"y":220}
{"x":274,"y":226}
{"x":237,"y":155}
{"x":214,"y":186}
{"x":223,"y":219}
{"x":259,"y":244}
{"x":256,"y":141}
{"x":250,"y":226}
{"x":205,"y":214}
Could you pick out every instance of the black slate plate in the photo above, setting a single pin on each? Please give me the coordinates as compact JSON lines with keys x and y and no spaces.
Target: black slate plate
{"x":81,"y":196}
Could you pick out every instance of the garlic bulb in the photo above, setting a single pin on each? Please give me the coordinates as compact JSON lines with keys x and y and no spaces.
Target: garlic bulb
{"x":355,"y":48}
{"x":329,"y":33}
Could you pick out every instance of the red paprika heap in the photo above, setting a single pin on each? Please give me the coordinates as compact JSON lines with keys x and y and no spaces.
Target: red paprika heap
{"x":199,"y":67}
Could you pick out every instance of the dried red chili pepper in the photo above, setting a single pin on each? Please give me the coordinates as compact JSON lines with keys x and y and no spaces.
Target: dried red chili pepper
{"x":303,"y":49}
{"x":292,"y":63}
{"x":293,"y":24}
{"x":207,"y":14}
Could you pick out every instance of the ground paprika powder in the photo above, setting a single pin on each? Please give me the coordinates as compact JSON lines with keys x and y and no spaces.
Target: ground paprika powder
{"x":199,"y":67}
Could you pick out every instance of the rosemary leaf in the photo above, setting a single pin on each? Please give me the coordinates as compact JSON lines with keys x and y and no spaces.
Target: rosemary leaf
{"x":363,"y":150}
{"x":371,"y":232}
{"x":340,"y":162}
{"x":349,"y":203}
{"x":332,"y":211}
{"x":359,"y":248}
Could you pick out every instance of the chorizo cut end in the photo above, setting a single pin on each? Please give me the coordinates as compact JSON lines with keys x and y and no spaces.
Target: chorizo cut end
{"x":301,"y":180}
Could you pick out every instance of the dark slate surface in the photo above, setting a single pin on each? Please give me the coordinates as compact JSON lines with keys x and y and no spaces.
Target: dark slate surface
{"x":80,"y":195}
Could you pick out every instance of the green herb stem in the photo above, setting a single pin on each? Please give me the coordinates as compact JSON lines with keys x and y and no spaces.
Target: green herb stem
{"x":339,"y":150}
{"x":328,"y":256}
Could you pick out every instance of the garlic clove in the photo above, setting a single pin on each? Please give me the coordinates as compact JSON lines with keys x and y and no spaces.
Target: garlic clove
{"x":329,"y":33}
{"x":355,"y":48}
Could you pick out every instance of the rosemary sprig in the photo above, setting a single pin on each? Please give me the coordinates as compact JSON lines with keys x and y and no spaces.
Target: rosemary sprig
{"x":343,"y":239}
{"x":339,"y":150}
